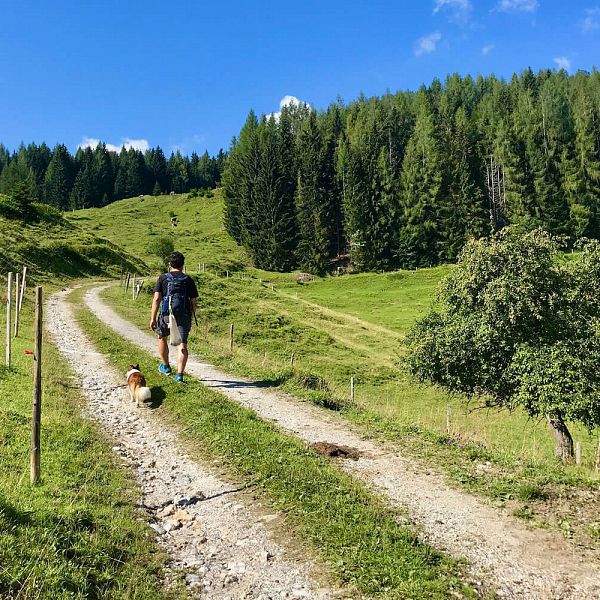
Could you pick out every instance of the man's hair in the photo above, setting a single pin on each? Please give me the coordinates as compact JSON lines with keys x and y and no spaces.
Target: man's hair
{"x":176,"y":260}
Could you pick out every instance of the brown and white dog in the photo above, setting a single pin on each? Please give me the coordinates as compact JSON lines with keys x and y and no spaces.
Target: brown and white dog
{"x":136,"y":384}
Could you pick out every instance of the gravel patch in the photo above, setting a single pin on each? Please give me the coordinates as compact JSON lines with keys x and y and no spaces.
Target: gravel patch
{"x":217,"y":544}
{"x":521,"y":562}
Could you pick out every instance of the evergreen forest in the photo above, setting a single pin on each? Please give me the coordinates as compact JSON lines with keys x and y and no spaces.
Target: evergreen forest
{"x":95,"y":177}
{"x":404,"y":180}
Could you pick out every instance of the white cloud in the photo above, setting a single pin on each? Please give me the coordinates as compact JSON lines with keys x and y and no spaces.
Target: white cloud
{"x":427,"y":44}
{"x":288,"y":101}
{"x":591,"y":21}
{"x":460,"y":10}
{"x":562,"y":62}
{"x":127,"y":143}
{"x":487,"y":49}
{"x":190,"y":143}
{"x":517,"y":5}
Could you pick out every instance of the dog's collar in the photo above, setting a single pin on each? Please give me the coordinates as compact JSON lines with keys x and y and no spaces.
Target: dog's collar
{"x":130,"y":373}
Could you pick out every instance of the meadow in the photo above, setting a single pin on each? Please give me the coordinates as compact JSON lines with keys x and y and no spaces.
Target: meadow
{"x":343,"y":327}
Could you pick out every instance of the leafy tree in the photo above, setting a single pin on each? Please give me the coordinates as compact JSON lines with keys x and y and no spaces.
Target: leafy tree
{"x":517,"y":326}
{"x":161,"y":247}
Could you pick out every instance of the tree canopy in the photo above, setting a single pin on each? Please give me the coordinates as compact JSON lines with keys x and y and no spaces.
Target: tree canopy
{"x":404,"y":180}
{"x":94,"y":177}
{"x":517,"y":324}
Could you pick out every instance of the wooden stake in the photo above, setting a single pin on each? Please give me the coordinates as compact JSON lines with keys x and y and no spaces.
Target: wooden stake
{"x":23,"y":285}
{"x":133,"y":288}
{"x":8,"y":318}
{"x":231,"y":337}
{"x":17,"y":305}
{"x":351,"y":389}
{"x":578,"y":453}
{"x":598,"y":458}
{"x":227,"y":274}
{"x":204,"y":267}
{"x":292,"y":360}
{"x":449,"y":419}
{"x":37,"y":389}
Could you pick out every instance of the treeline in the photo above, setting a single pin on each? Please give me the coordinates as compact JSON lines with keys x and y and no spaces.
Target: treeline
{"x":96,"y":176}
{"x":405,"y":179}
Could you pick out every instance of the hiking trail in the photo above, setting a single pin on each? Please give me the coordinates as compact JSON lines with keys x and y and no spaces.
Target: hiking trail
{"x":523,"y":562}
{"x":221,"y":546}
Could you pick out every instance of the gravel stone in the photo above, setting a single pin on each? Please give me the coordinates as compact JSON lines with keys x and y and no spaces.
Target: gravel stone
{"x":520,"y":562}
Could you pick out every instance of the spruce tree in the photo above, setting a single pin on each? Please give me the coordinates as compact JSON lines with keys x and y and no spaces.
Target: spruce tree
{"x":58,"y":179}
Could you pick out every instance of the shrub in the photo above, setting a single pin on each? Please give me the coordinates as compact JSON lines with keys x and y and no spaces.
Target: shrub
{"x":517,"y":326}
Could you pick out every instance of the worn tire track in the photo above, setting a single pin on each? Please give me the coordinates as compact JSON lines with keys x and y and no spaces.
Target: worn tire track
{"x":223,"y":548}
{"x":523,"y":563}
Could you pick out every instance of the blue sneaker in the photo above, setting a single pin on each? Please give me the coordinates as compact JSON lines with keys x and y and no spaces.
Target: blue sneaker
{"x":179,"y":378}
{"x":164,"y":369}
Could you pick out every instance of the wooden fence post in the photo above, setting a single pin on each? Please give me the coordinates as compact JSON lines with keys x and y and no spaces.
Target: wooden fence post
{"x":448,"y":419}
{"x":231,"y":337}
{"x":23,"y":284}
{"x":133,"y":288}
{"x":292,"y":357}
{"x":37,"y":389}
{"x":18,"y":275}
{"x":8,"y":318}
{"x":578,"y":453}
{"x":352,"y":389}
{"x":598,"y":458}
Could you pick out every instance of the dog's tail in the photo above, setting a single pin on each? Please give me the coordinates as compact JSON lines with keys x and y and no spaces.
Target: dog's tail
{"x":143,"y":394}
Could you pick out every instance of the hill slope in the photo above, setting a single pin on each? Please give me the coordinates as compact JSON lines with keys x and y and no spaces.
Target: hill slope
{"x":135,"y":223}
{"x":51,"y":246}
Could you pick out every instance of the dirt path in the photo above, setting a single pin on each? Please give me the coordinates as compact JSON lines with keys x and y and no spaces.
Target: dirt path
{"x":222,"y":547}
{"x":522,"y":562}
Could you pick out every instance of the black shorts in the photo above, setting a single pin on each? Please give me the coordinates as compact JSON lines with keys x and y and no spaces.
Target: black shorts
{"x":184,"y":324}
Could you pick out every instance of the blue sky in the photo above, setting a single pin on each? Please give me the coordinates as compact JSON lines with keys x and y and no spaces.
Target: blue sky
{"x":184,"y":74}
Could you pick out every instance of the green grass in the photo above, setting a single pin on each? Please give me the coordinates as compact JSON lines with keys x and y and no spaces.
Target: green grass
{"x":134,"y":223}
{"x":52,"y":247}
{"x":76,"y":533}
{"x":347,"y":525}
{"x":354,"y":326}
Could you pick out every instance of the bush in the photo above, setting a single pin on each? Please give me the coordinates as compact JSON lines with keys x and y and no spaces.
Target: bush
{"x":161,"y":247}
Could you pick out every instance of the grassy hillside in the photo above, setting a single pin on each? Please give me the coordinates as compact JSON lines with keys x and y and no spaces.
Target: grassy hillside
{"x":136,"y":223}
{"x":351,"y":326}
{"x":52,"y":247}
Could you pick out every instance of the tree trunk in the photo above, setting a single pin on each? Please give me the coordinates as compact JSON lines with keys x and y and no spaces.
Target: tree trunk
{"x":562,"y":438}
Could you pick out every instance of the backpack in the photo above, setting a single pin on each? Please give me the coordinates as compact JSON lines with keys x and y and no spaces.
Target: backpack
{"x":176,"y":299}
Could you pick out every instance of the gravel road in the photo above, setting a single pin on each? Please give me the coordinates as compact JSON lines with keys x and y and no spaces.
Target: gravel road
{"x":217,"y":543}
{"x":522,"y":562}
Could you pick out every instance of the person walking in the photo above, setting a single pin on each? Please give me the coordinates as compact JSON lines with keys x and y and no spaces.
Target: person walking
{"x":175,"y":295}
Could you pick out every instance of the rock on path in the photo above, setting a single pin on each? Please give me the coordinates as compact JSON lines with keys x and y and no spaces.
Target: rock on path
{"x":524,"y":563}
{"x":221,"y":548}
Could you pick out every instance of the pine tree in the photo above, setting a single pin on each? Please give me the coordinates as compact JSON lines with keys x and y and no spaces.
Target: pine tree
{"x":422,"y":193}
{"x":58,"y":179}
{"x":314,"y":198}
{"x":239,"y":176}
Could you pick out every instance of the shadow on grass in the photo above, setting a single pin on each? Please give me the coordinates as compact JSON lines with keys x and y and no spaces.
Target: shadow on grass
{"x":158,"y":396}
{"x":11,"y":517}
